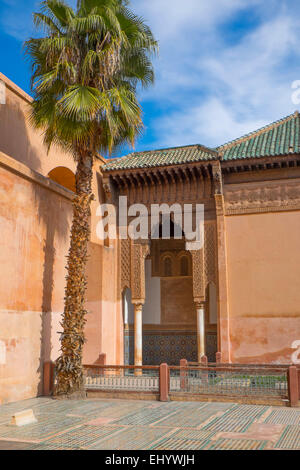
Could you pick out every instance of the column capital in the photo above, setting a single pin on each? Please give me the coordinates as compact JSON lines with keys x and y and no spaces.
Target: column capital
{"x":199,"y":304}
{"x":138,"y":304}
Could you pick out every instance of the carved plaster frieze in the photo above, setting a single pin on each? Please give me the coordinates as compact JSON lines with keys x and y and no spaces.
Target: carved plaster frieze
{"x":210,"y":253}
{"x":125,"y":264}
{"x":266,"y":197}
{"x":139,"y":252}
{"x":217,"y":179}
{"x":199,"y":282}
{"x":220,"y":205}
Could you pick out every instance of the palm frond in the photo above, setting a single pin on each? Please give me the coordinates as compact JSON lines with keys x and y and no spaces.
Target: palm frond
{"x":88,"y":24}
{"x":85,"y":73}
{"x":80,"y":103}
{"x":47,"y":24}
{"x":58,"y":11}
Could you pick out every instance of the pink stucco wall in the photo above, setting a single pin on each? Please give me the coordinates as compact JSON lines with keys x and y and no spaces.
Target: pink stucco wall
{"x":263,"y":260}
{"x":34,"y":224}
{"x":35,"y":219}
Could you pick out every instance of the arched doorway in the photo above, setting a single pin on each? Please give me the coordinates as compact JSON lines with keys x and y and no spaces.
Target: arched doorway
{"x":169,"y":328}
{"x":63,"y":176}
{"x":128,"y":320}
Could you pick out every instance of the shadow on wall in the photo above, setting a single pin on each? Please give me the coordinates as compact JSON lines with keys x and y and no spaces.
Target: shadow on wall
{"x":14,"y":140}
{"x":57,"y":226}
{"x":18,"y":141}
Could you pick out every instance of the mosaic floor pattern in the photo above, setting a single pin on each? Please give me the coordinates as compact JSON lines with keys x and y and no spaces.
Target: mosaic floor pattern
{"x":142,"y":425}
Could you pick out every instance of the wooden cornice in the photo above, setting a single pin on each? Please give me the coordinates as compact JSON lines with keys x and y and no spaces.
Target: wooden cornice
{"x":260,"y":164}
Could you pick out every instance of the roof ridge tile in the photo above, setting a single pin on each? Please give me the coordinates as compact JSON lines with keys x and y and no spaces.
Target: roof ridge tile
{"x":278,"y":138}
{"x":259,"y":131}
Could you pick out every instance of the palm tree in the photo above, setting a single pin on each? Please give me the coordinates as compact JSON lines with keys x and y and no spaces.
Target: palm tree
{"x":85,"y":72}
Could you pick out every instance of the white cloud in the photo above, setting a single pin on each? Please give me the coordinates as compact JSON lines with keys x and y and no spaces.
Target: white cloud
{"x":211,"y":123}
{"x":174,"y":18}
{"x":218,"y":92}
{"x":209,"y":89}
{"x":185,"y":31}
{"x":249,"y":66}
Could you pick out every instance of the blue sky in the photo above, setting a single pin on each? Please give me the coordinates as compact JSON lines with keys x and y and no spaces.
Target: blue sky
{"x":225,"y":67}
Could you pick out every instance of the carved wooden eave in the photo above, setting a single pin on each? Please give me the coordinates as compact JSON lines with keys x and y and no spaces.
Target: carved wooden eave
{"x":189,"y":172}
{"x":291,"y":160}
{"x":183,"y":182}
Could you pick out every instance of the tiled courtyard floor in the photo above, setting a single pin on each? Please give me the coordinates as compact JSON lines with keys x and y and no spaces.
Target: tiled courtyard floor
{"x":134,"y":425}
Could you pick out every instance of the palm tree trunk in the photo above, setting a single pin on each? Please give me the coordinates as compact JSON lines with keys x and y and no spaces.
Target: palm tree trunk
{"x":69,"y":370}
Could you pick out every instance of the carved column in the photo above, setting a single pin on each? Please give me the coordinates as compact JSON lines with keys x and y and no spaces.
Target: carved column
{"x":223,"y":319}
{"x":139,"y":252}
{"x":199,"y":299}
{"x":200,"y":307}
{"x":124,"y":283}
{"x":126,"y":344}
{"x":138,"y":336}
{"x":126,"y":337}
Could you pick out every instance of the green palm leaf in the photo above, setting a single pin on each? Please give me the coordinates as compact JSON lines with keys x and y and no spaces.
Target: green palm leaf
{"x":85,"y":72}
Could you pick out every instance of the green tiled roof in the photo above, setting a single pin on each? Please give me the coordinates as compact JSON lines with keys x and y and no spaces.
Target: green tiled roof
{"x":279,"y":138}
{"x":170,"y":156}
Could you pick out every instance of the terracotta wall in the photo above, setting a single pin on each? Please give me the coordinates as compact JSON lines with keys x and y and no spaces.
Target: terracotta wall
{"x":263,"y":284}
{"x":19,"y":140}
{"x":35,"y":218}
{"x":34,"y":225}
{"x":177,"y":301}
{"x":111,"y":305}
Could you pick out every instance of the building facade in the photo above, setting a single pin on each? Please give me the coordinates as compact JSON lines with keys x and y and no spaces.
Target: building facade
{"x":151,"y":301}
